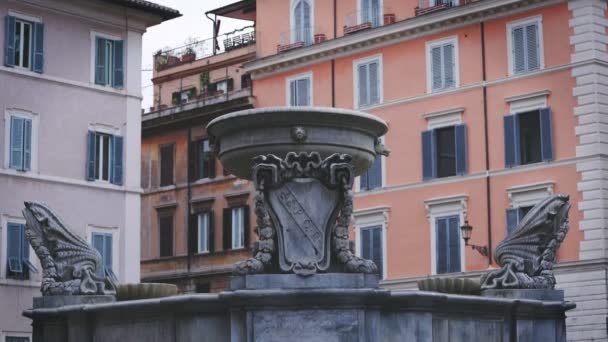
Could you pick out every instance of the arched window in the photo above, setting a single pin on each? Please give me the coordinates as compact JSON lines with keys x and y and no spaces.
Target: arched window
{"x":302,"y":22}
{"x":371,"y":12}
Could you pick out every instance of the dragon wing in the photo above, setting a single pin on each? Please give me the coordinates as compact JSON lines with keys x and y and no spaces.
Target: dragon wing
{"x":531,"y":247}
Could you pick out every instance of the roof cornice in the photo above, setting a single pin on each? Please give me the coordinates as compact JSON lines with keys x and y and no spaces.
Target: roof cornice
{"x":402,"y":31}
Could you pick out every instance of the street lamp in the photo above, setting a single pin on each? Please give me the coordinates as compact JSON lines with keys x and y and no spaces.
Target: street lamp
{"x":466,"y":230}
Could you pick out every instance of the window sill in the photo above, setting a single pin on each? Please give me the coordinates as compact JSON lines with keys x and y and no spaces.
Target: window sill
{"x":22,"y":283}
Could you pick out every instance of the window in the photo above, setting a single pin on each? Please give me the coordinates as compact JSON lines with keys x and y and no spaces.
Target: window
{"x":299,"y":90}
{"x":442,"y":64}
{"x":18,"y":252}
{"x":16,"y":339}
{"x":204,"y":233}
{"x":301,"y":22}
{"x":184,"y":96}
{"x":102,"y":242}
{"x":368,"y":81}
{"x":372,"y":179}
{"x":371,"y":12}
{"x":444,"y":152}
{"x":246,"y":81}
{"x":20,"y":149}
{"x":166,"y":234}
{"x":221,"y":87}
{"x":24,"y":44}
{"x":525,"y":44}
{"x":236,"y":227}
{"x":372,"y":246}
{"x":444,"y":2}
{"x":447,"y":244}
{"x":104,"y":157}
{"x":528,"y":137}
{"x":166,"y":164}
{"x":514,"y":216}
{"x":109,"y":62}
{"x":204,"y":161}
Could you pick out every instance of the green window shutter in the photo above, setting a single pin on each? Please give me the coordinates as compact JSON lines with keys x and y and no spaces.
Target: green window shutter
{"x":100,"y":61}
{"x":118,"y":64}
{"x":9,"y":41}
{"x":38,"y":55}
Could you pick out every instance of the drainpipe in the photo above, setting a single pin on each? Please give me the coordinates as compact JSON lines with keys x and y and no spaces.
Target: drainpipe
{"x":189,"y":198}
{"x":485,"y":125}
{"x":333,"y":62}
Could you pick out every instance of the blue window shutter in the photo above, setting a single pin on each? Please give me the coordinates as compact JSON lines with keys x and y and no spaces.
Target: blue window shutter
{"x":429,"y":155}
{"x":293,"y":94}
{"x":25,"y":245}
{"x":9,"y":41}
{"x":519,"y":58}
{"x":453,"y":244}
{"x":374,"y":174}
{"x":98,"y":244}
{"x":377,"y":248}
{"x":38,"y":65}
{"x":512,"y":220}
{"x":366,"y":244}
{"x":100,"y":61}
{"x":16,"y":142}
{"x":117,"y":153}
{"x":91,"y":147}
{"x":363,"y":85}
{"x":448,"y":66}
{"x":441,"y":245}
{"x":107,"y":252}
{"x":14,"y":247}
{"x":374,"y":83}
{"x":532,"y":48}
{"x":303,"y":92}
{"x":118,"y":64}
{"x":27,"y":145}
{"x":546,"y":134}
{"x":436,"y":70}
{"x":376,"y":20}
{"x":461,"y":149}
{"x":511,"y":129}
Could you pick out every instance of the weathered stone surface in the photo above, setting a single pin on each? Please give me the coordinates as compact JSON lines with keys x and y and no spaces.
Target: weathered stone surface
{"x":59,"y":301}
{"x":294,"y":281}
{"x":539,"y":294}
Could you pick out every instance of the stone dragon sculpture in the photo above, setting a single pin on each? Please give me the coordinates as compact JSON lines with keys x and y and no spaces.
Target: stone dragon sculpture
{"x":527,"y":256}
{"x":69,"y":263}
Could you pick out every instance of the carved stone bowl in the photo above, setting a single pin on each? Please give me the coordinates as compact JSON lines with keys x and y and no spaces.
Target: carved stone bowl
{"x":243,"y":135}
{"x":144,"y":291}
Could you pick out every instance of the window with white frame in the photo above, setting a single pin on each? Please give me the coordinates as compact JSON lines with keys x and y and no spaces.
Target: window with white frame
{"x":446,"y":215}
{"x":24,"y":43}
{"x":368,"y":81}
{"x":238,"y":228}
{"x":20,"y":142}
{"x":372,"y":246}
{"x":301,"y":21}
{"x":522,"y":199}
{"x":370,"y":227}
{"x":525,"y":45}
{"x":372,"y":179}
{"x":109,"y":61}
{"x":442,"y":64}
{"x":104,"y":157}
{"x":102,"y":242}
{"x":204,"y":229}
{"x":299,"y":90}
{"x":371,"y":12}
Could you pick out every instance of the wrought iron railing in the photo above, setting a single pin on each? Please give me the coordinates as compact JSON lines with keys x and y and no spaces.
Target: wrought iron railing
{"x":300,"y":37}
{"x":430,"y":6}
{"x":367,"y":18}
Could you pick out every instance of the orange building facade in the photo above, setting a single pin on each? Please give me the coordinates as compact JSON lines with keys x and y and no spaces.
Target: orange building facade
{"x":195,"y":217}
{"x":491,"y":105}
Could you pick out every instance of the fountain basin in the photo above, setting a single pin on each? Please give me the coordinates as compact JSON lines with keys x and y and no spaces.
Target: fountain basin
{"x":243,"y":135}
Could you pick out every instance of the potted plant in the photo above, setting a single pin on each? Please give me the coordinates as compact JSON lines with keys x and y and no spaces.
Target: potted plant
{"x":189,"y":55}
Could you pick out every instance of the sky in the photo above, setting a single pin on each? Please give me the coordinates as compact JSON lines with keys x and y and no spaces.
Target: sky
{"x":173,"y":33}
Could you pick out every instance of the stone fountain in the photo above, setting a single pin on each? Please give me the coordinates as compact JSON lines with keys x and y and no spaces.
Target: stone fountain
{"x":303,"y":282}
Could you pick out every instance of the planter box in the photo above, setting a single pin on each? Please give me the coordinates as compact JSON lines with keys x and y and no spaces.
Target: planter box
{"x":389,"y":19}
{"x":188,"y":57}
{"x":319,"y":38}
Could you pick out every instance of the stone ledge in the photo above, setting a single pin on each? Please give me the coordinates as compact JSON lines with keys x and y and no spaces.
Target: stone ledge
{"x":537,"y":294}
{"x":59,"y":301}
{"x":294,"y":281}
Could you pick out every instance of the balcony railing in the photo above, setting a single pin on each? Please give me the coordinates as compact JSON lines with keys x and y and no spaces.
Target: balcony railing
{"x":368,"y":18}
{"x":298,"y":38}
{"x":430,"y":6}
{"x":205,"y":48}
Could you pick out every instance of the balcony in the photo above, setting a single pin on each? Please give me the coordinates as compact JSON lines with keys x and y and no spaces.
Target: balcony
{"x":299,"y":38}
{"x":205,"y":48}
{"x":430,"y":6}
{"x":368,"y":18}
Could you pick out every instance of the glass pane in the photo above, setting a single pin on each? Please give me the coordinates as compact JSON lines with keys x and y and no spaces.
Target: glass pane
{"x":105,"y":158}
{"x":18,"y":31}
{"x":529,"y":132}
{"x":446,"y":152}
{"x":27,"y":37}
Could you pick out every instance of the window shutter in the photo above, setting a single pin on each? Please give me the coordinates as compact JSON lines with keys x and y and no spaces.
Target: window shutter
{"x":98,"y":245}
{"x":9,"y":41}
{"x":16,"y":140}
{"x":227,"y":223}
{"x":230,"y":84}
{"x":512,"y":220}
{"x":374,"y":84}
{"x":511,"y":140}
{"x":436,"y":74}
{"x":117,"y":162}
{"x":25,"y":246}
{"x":546,"y":134}
{"x":366,"y":15}
{"x":374,"y":174}
{"x":363,"y":84}
{"x":377,"y":248}
{"x":246,"y":226}
{"x":91,"y":156}
{"x":100,"y":61}
{"x":211,"y":231}
{"x":429,"y":155}
{"x":441,"y":245}
{"x":107,"y":253}
{"x":298,"y":21}
{"x":303,"y":92}
{"x":461,"y":149}
{"x":27,"y":145}
{"x":532,"y":48}
{"x":293,"y":97}
{"x":376,"y":21}
{"x":448,"y":66}
{"x":118,"y":64}
{"x":193,"y":229}
{"x":366,"y":244}
{"x":38,"y":48}
{"x":166,"y":235}
{"x":519,"y":60}
{"x":454,"y":244}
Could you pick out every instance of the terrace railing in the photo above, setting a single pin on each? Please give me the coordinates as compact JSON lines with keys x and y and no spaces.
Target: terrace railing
{"x":298,"y":38}
{"x":368,"y":18}
{"x":430,"y":6}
